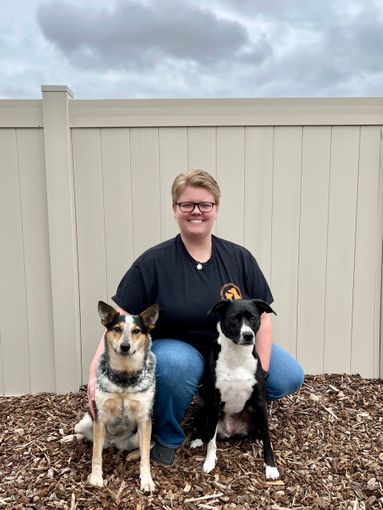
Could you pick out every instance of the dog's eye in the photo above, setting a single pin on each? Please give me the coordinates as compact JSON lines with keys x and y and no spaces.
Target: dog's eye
{"x":117,"y":329}
{"x":136,"y":331}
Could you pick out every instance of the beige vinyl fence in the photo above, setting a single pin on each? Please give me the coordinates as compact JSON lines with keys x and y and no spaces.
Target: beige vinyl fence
{"x":85,"y":188}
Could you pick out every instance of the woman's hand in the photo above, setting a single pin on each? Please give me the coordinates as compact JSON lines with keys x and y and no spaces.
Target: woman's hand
{"x":264,"y":341}
{"x":91,"y":391}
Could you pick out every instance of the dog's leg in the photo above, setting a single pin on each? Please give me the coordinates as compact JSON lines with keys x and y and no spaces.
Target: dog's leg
{"x":211,"y":455}
{"x":208,"y":425}
{"x":199,"y":434}
{"x":83,"y":429}
{"x":212,"y":419}
{"x":271,"y":471}
{"x":144,"y":434}
{"x":95,"y":478}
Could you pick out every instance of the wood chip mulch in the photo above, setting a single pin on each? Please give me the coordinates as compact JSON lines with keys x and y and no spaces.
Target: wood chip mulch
{"x":328,"y":443}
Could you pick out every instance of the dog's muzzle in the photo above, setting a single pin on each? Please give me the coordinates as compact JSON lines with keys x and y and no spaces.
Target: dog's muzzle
{"x":247,"y":338}
{"x":124,"y":348}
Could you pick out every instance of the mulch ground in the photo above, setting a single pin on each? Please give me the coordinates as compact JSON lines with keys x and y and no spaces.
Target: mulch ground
{"x":328,"y":443}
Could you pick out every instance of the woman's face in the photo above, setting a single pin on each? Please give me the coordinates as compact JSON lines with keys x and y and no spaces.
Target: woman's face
{"x":195,"y":223}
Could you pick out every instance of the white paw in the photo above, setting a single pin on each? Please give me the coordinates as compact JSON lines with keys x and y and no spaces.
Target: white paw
{"x":209,"y":464}
{"x":96,"y":480}
{"x":272,"y":473}
{"x":147,"y":484}
{"x":196,"y":443}
{"x":72,"y":437}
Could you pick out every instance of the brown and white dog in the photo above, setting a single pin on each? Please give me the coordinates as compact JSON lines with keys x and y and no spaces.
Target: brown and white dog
{"x":125,"y":386}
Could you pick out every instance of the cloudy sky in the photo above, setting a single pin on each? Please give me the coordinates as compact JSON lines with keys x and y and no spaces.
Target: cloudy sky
{"x":192,"y":48}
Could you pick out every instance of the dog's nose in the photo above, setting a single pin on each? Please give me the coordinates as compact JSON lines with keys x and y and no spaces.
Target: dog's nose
{"x":125,"y":347}
{"x":248,"y":337}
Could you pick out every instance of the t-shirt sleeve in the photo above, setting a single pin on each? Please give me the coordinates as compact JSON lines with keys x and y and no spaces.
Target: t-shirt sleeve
{"x":258,"y":284}
{"x":131,"y":294}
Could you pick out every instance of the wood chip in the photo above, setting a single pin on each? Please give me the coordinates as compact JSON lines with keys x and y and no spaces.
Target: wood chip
{"x":212,"y":496}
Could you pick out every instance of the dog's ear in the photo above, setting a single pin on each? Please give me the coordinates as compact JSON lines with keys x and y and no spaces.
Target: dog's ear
{"x":106,"y":312}
{"x":219,"y":307}
{"x":262,"y":306}
{"x":150,"y":315}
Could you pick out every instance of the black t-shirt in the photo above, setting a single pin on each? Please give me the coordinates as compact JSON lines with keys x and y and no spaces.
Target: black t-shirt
{"x":167,"y":274}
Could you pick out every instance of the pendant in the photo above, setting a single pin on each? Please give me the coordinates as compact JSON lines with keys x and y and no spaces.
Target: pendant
{"x":199,"y":266}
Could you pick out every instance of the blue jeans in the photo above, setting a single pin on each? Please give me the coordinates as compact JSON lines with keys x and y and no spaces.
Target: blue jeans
{"x":179,"y":371}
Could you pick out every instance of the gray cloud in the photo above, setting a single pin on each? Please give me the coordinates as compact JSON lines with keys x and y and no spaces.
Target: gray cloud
{"x":132,"y":34}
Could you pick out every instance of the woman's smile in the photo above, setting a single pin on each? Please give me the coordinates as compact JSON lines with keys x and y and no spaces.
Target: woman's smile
{"x":195,"y":223}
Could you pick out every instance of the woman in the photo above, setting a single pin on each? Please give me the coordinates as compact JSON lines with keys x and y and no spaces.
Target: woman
{"x":186,"y":276}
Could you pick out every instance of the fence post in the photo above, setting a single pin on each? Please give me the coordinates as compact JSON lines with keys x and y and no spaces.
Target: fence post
{"x":62,"y":237}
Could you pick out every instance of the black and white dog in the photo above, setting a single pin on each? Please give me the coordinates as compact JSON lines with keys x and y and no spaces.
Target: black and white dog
{"x":234,"y":398}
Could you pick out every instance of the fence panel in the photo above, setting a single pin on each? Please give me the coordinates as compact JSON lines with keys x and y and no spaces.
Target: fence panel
{"x":313,"y":247}
{"x":341,"y":248}
{"x":230,"y":176}
{"x":258,"y":195}
{"x":366,"y":289}
{"x":91,"y":232}
{"x":27,"y":363}
{"x":285,"y":232}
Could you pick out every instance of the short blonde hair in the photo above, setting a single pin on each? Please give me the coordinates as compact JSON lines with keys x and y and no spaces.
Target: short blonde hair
{"x":196,"y":179}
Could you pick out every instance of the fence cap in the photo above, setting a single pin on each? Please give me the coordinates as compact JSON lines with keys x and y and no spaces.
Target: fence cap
{"x":56,"y":88}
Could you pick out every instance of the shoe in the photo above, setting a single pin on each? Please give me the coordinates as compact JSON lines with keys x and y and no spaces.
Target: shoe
{"x":163,"y":455}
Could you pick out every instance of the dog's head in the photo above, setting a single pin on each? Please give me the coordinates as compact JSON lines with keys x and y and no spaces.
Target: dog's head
{"x":239,"y":320}
{"x":127,"y":334}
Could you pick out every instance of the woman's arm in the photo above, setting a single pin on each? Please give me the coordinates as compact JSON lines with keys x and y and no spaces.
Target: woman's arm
{"x":264,"y":341}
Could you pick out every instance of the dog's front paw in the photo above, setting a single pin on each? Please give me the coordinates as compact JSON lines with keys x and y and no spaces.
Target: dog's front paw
{"x":96,"y":480}
{"x":147,"y":484}
{"x":209,"y":464}
{"x":196,"y":443}
{"x":272,"y":473}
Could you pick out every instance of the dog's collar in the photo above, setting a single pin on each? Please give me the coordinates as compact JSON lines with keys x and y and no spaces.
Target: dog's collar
{"x":122,"y":379}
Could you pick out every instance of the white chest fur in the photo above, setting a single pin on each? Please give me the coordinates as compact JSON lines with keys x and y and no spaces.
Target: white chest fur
{"x":235,"y":374}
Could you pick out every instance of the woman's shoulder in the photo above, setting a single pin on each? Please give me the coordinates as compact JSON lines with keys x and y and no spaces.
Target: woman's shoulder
{"x":230,"y":246}
{"x":153,"y":252}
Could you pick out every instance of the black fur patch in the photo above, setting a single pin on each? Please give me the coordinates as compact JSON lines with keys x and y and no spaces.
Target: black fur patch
{"x":137,"y":320}
{"x":116,"y":320}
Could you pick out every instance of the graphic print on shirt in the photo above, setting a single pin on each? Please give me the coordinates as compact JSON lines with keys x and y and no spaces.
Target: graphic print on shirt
{"x":230,"y":291}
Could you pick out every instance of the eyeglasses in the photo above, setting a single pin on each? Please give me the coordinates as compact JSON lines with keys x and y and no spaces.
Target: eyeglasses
{"x":188,"y":207}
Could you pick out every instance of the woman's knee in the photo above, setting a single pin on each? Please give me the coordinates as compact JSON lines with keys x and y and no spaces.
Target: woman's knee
{"x":289,"y":383}
{"x":286,"y":375}
{"x":177,"y":363}
{"x":293,"y":381}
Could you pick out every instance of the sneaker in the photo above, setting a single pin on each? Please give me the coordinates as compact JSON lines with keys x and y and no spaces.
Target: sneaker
{"x":163,"y":455}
